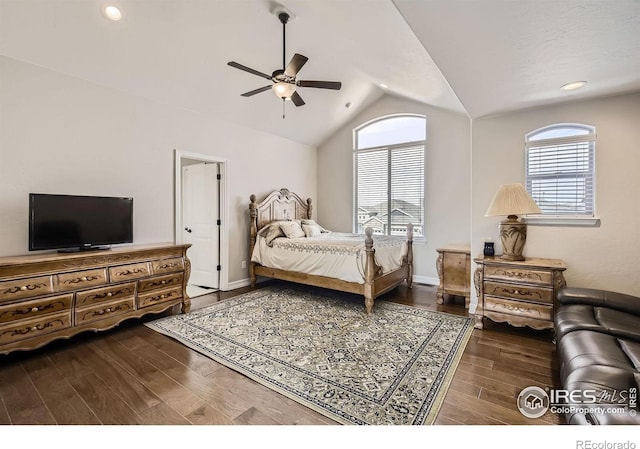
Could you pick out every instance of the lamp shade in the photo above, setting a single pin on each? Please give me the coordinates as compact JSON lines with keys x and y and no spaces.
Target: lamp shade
{"x":512,"y":199}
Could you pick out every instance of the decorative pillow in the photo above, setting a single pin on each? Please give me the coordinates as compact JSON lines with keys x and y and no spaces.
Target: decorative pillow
{"x":311,"y":230}
{"x":292,"y":229}
{"x":271,"y":232}
{"x":313,"y":223}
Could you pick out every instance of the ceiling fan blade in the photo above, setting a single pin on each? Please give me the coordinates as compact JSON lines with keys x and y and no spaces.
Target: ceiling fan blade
{"x":335,"y":85}
{"x":295,"y":65}
{"x":297,"y":99}
{"x":247,"y":69}
{"x":256,"y":91}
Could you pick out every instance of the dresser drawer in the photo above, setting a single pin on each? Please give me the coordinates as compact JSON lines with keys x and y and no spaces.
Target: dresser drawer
{"x":103,"y":311}
{"x":25,"y":288}
{"x":167,"y":265}
{"x":23,"y":329}
{"x":127,"y":272}
{"x":96,"y":295}
{"x":516,"y":274}
{"x":157,"y":297}
{"x":34,"y":308}
{"x":171,"y":280}
{"x":81,"y":279}
{"x":518,"y":308}
{"x":521,"y":292}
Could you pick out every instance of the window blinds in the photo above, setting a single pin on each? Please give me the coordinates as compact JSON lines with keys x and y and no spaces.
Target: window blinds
{"x":390,"y":189}
{"x":560,"y":175}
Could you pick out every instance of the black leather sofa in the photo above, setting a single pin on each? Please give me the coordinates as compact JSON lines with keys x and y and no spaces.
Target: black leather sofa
{"x":598,"y":344}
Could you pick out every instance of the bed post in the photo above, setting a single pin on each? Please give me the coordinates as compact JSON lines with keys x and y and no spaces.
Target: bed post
{"x":409,"y":254}
{"x":369,"y":270}
{"x":253,"y":231}
{"x":309,"y":208}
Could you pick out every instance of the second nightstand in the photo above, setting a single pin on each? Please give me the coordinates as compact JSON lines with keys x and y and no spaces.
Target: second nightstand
{"x":521,"y":293}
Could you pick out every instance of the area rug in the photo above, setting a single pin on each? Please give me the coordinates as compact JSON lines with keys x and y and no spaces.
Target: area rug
{"x":320,"y":348}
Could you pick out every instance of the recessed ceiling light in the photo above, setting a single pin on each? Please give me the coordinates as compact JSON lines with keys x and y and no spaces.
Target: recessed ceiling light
{"x":383,"y":85}
{"x":574,"y":85}
{"x":112,"y":13}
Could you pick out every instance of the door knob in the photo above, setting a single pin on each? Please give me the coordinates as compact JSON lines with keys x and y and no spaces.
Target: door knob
{"x":188,"y":230}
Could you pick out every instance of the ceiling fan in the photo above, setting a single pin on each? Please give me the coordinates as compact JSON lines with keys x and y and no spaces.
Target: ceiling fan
{"x":283,"y":81}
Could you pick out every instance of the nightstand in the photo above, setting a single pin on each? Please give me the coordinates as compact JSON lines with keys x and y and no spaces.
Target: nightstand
{"x":521,"y":293}
{"x":454,"y":270}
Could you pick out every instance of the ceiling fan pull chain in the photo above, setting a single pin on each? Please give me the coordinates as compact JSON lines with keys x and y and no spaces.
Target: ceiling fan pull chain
{"x":283,"y":108}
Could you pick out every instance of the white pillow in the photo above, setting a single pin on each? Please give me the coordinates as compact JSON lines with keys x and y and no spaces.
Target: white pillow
{"x":292,"y":229}
{"x":311,"y":230}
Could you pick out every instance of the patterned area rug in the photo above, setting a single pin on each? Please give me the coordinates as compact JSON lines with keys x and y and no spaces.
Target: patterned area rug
{"x":320,"y":348}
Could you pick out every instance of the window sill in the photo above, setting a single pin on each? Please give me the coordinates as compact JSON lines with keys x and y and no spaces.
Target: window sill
{"x":587,"y":222}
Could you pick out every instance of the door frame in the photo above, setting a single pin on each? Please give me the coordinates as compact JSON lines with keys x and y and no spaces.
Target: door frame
{"x":181,"y":156}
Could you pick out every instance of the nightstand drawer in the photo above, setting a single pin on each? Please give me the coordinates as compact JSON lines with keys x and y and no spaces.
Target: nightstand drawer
{"x":521,"y":292}
{"x":25,"y":288}
{"x":37,"y":307}
{"x":519,"y":308}
{"x":517,"y":274}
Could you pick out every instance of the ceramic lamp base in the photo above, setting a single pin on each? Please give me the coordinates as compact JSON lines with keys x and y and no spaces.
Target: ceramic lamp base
{"x":513,"y":235}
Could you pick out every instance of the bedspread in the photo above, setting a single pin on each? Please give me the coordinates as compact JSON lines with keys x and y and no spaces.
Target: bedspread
{"x":335,"y":255}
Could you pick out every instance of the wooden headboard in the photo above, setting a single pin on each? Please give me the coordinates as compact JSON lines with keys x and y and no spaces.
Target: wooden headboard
{"x":278,"y":205}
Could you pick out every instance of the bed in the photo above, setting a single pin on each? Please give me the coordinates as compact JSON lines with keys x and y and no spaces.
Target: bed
{"x":338,"y":261}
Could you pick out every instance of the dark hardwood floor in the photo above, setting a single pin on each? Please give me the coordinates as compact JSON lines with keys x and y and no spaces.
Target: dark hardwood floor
{"x":133,"y":375}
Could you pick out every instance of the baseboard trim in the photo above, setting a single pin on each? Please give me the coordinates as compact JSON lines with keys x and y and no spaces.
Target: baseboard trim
{"x":426,"y":280}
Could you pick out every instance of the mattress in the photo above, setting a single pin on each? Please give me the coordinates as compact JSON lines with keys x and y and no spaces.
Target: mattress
{"x":335,"y":255}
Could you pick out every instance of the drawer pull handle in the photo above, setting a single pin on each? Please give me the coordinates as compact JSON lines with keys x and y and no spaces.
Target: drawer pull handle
{"x":35,"y":309}
{"x":164,"y":282}
{"x":23,"y":288}
{"x":108,"y":310}
{"x":34,"y":328}
{"x":109,"y":294}
{"x":83,"y":278}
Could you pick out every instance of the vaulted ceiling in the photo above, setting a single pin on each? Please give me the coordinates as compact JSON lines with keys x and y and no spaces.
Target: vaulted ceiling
{"x":478,"y":57}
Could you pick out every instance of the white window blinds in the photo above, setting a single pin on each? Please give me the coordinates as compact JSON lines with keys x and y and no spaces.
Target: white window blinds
{"x":560,"y":169}
{"x":389,"y":179}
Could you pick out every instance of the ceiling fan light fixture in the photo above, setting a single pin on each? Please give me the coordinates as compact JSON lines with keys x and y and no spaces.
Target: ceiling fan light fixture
{"x":283,"y":90}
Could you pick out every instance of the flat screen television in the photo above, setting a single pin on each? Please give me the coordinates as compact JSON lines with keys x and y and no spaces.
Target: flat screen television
{"x":75,"y":223}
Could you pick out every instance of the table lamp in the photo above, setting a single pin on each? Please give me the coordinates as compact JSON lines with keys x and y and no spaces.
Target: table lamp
{"x":512,"y":200}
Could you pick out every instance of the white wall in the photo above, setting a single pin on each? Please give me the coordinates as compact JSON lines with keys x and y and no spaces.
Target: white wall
{"x":605,"y":257}
{"x":60,"y":134}
{"x":447,"y":178}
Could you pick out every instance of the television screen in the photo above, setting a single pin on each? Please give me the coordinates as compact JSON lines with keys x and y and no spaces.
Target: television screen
{"x":78,"y":222}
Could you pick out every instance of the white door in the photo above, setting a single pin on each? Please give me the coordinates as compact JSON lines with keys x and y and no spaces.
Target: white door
{"x":200,"y":206}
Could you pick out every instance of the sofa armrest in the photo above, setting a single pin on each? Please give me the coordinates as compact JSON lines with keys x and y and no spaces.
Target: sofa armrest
{"x":600,"y":298}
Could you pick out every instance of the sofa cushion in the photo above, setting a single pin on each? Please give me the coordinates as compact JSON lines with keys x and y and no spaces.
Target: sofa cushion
{"x":583,"y":348}
{"x":575,"y":317}
{"x":632,"y":350}
{"x":618,"y":323}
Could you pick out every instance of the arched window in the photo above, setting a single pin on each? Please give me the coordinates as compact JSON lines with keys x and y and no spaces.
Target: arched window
{"x":560,"y":166}
{"x":388,"y":158}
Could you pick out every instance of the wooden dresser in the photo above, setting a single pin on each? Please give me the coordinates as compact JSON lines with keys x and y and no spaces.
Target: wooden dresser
{"x":454,"y":270}
{"x":521,"y":293}
{"x":44,"y":297}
